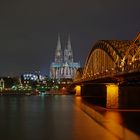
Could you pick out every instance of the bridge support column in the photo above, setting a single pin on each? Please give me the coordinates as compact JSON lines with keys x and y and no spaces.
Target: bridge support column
{"x":78,"y":90}
{"x":112,"y":96}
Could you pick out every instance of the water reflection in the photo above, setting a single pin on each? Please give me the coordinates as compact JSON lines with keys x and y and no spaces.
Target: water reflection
{"x":114,"y":116}
{"x":78,"y":100}
{"x":88,"y":128}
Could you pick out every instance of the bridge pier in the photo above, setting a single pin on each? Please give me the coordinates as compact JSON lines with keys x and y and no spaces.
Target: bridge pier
{"x":100,"y":94}
{"x":112,"y":92}
{"x":78,"y":90}
{"x":111,"y":96}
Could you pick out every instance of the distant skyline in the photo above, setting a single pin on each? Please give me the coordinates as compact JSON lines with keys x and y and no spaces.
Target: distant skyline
{"x":29,"y":29}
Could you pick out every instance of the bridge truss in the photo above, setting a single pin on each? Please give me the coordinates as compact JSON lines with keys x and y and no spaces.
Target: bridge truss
{"x":108,"y":57}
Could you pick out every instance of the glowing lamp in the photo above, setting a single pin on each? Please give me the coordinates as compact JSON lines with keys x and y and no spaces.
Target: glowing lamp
{"x":78,"y":90}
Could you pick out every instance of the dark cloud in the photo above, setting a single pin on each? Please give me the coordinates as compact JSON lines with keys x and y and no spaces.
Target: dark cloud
{"x":29,"y":28}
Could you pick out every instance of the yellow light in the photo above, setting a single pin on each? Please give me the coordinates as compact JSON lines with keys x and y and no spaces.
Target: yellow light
{"x":112,"y":96}
{"x":78,"y":90}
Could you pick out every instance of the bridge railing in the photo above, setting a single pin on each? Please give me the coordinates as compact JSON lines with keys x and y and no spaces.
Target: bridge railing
{"x":129,"y":68}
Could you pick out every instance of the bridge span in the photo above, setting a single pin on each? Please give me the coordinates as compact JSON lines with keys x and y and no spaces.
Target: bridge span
{"x":111,"y":65}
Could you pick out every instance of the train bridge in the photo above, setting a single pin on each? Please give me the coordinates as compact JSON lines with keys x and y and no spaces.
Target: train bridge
{"x":109,"y":62}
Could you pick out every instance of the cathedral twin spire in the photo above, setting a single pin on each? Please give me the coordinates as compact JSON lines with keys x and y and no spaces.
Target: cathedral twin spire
{"x":63,"y":67}
{"x":68,"y":53}
{"x":58,"y":52}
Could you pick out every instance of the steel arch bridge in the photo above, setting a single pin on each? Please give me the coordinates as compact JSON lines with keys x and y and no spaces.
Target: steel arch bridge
{"x":110,"y":57}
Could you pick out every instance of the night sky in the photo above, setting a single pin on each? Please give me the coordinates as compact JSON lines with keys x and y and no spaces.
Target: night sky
{"x":29,"y":29}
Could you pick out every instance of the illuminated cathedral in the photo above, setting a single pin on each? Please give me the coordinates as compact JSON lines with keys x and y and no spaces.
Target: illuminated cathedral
{"x":63,"y":66}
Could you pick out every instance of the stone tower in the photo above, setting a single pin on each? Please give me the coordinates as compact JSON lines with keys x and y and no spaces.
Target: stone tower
{"x":68,"y":53}
{"x":58,"y":51}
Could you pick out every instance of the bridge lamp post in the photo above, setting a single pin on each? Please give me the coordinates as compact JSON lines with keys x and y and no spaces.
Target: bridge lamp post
{"x":112,"y":70}
{"x":121,"y":68}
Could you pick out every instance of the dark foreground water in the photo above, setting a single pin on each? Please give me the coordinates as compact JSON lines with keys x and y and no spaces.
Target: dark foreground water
{"x":36,"y":117}
{"x":52,"y":117}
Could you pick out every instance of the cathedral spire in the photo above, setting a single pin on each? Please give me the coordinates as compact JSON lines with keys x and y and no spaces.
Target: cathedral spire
{"x":58,"y":43}
{"x":58,"y":52}
{"x":68,"y":53}
{"x":69,"y":43}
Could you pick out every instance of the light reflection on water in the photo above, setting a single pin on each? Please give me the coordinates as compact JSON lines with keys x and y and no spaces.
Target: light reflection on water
{"x":114,"y":116}
{"x":99,"y":133}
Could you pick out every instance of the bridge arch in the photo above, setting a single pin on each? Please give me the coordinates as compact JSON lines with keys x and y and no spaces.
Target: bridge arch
{"x":109,"y":57}
{"x":132,"y":55}
{"x":105,"y":56}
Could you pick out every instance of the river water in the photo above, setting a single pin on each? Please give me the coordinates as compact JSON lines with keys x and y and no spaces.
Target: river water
{"x":50,"y":117}
{"x":35,"y":117}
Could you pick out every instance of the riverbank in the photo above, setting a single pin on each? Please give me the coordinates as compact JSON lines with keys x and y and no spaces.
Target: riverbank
{"x":124,"y":124}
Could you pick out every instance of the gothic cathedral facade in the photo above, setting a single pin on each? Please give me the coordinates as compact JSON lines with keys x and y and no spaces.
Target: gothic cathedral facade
{"x":63,"y":66}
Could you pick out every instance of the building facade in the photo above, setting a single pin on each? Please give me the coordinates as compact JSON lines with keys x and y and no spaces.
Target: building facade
{"x":63,"y":66}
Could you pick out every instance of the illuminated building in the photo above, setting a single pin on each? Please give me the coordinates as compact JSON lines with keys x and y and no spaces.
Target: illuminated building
{"x":63,"y":66}
{"x":2,"y":85}
{"x":30,"y":79}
